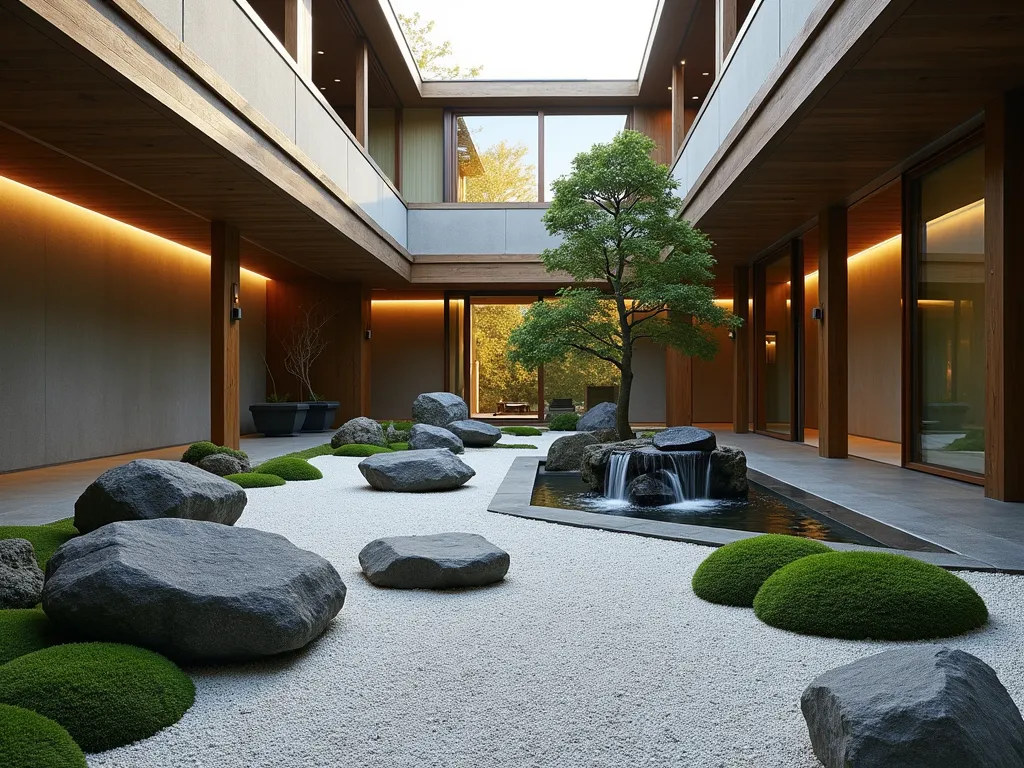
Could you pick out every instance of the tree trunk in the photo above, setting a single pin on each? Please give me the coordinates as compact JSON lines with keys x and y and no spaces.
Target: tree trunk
{"x":625,"y":432}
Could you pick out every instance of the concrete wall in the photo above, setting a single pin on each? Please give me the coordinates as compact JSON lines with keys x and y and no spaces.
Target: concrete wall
{"x":478,"y":231}
{"x":105,"y":346}
{"x":647,"y":400}
{"x":407,"y":355}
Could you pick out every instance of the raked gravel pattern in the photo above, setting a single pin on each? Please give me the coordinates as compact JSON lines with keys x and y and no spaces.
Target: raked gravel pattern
{"x":594,"y":652}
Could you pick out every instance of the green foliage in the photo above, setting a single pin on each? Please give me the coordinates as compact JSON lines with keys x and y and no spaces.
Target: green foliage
{"x":289,"y":468}
{"x":731,"y":575}
{"x":516,"y":446}
{"x":570,"y":376}
{"x":507,"y":177}
{"x":399,"y":446}
{"x":869,"y":595}
{"x":428,"y":54}
{"x":45,"y":538}
{"x":522,"y":431}
{"x":648,"y":433}
{"x":29,"y":740}
{"x":564,"y":422}
{"x":199,"y":451}
{"x":401,"y":426}
{"x":105,"y":695}
{"x":311,"y":453}
{"x":500,"y":378}
{"x":273,"y":397}
{"x":255,"y":480}
{"x":24,"y":630}
{"x":974,"y":440}
{"x":357,"y":449}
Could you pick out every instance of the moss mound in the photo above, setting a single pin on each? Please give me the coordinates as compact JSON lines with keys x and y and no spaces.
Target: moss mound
{"x":24,"y":630}
{"x":399,"y":446}
{"x":401,"y":426}
{"x":312,"y":453}
{"x":357,"y":449}
{"x":289,"y":468}
{"x":520,"y":446}
{"x":564,"y":422}
{"x":45,"y":538}
{"x":29,"y":740}
{"x":522,"y":431}
{"x":869,"y":595}
{"x":731,"y":575}
{"x":255,"y":480}
{"x":105,"y":695}
{"x":199,"y":451}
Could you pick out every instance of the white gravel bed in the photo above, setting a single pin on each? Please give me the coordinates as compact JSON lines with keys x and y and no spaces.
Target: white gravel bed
{"x":593,"y":653}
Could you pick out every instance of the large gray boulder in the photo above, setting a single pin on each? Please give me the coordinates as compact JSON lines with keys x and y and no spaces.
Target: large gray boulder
{"x":685,"y":439}
{"x":439,"y":409}
{"x":475,"y":434}
{"x":194,"y":591}
{"x":148,"y":489}
{"x":566,"y":453}
{"x":918,"y":707}
{"x":651,"y":489}
{"x":600,"y":417}
{"x":423,"y":436}
{"x":222,"y":465}
{"x":596,"y":457}
{"x":361,"y":431}
{"x":439,"y":561}
{"x":21,"y":578}
{"x":728,"y":474}
{"x":433,"y":469}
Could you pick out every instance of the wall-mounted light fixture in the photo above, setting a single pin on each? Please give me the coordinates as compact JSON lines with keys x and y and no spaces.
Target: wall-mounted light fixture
{"x":236,"y":310}
{"x":769,"y":347}
{"x":817,"y":313}
{"x":732,"y":335}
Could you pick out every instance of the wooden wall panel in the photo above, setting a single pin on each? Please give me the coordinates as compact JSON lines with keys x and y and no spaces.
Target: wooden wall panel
{"x":741,"y":351}
{"x":423,"y":155}
{"x":833,"y":361}
{"x":225,"y":280}
{"x":713,"y":382}
{"x":382,"y":140}
{"x":656,"y":122}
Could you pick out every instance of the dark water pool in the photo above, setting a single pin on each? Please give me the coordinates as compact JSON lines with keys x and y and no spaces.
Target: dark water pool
{"x":763,"y":511}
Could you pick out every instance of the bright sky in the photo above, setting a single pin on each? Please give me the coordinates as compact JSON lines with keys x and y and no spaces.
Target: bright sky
{"x":541,"y":39}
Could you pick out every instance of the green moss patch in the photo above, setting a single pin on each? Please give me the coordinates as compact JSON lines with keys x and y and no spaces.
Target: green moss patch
{"x":199,"y":451}
{"x":357,"y":449}
{"x":563,"y":422}
{"x":29,"y":740}
{"x":401,"y":426}
{"x":869,"y":595}
{"x":520,"y":446}
{"x":311,"y":453}
{"x":732,"y":575}
{"x":23,"y":631}
{"x":974,"y":440}
{"x":45,"y":538}
{"x":522,"y":431}
{"x":255,"y":480}
{"x":106,"y":695}
{"x":289,"y":468}
{"x":399,"y":446}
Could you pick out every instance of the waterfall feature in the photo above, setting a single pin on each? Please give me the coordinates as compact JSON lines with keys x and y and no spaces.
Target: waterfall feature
{"x":686,"y":474}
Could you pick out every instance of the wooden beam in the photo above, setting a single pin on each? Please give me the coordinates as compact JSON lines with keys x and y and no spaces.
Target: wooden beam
{"x":741,"y":350}
{"x":678,"y":388}
{"x":833,"y":364}
{"x":298,"y":33}
{"x":726,"y":26}
{"x":1004,"y":284}
{"x":678,"y":107}
{"x":224,"y":284}
{"x":362,"y":92}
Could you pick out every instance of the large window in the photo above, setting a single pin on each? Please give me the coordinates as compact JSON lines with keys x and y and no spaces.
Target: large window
{"x":514,"y":158}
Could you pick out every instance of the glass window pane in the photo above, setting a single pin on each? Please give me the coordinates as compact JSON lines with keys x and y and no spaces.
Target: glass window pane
{"x":497,"y":159}
{"x":565,"y":136}
{"x":498,"y":387}
{"x":778,"y":345}
{"x":950,"y":267}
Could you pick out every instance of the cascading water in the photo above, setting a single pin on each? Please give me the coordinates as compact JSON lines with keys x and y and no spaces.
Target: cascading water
{"x":687,"y":474}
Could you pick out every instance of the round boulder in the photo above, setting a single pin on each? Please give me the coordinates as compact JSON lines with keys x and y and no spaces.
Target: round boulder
{"x":359,"y":431}
{"x":434,"y":469}
{"x":598,"y":418}
{"x":566,"y":453}
{"x":190,"y":590}
{"x":428,"y":436}
{"x":439,"y":409}
{"x":222,"y":465}
{"x":439,"y":561}
{"x":21,"y":579}
{"x":651,"y":490}
{"x":149,"y":489}
{"x":685,"y":439}
{"x":475,"y":434}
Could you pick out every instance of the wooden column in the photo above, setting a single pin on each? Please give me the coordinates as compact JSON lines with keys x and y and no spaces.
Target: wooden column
{"x":833,"y":364}
{"x":224,"y":284}
{"x":678,"y":389}
{"x":678,"y":108}
{"x":741,"y":350}
{"x":298,"y":33}
{"x":362,"y":92}
{"x":726,"y":26}
{"x":1004,"y":286}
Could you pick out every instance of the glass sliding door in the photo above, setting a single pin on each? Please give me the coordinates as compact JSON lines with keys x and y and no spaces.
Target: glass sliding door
{"x":948,"y":318}
{"x":776,"y":344}
{"x":454,"y":345}
{"x":498,"y":388}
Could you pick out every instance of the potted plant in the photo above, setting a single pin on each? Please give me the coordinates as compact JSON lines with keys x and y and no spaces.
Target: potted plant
{"x":278,"y":417}
{"x":302,"y":348}
{"x":321,"y":413}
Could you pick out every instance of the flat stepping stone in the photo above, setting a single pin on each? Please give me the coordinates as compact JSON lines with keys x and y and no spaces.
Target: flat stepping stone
{"x":432,"y":469}
{"x":438,"y":561}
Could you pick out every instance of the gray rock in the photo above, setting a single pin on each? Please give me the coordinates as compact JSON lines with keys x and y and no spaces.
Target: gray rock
{"x":194,"y":591}
{"x":601,"y":416}
{"x":918,"y":707}
{"x":595,"y":459}
{"x":651,"y":490}
{"x":396,"y":435}
{"x":423,"y":436}
{"x":728,"y":473}
{"x":21,"y":578}
{"x":360,"y":431}
{"x":439,"y":409}
{"x":566,"y":453}
{"x":434,"y":469}
{"x":440,"y":561}
{"x":685,"y":439}
{"x":222,"y":465}
{"x":147,"y":489}
{"x":475,"y":434}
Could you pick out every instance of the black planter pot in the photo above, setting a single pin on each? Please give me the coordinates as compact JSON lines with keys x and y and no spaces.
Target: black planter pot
{"x":320,"y":416}
{"x":278,"y":419}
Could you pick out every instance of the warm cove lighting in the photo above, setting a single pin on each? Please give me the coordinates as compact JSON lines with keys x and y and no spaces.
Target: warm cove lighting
{"x":407,"y":301}
{"x":866,"y":252}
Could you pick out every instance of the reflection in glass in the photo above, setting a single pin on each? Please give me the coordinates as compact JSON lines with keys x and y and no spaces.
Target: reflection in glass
{"x":565,"y":136}
{"x":778,"y":346}
{"x":497,"y":158}
{"x":498,"y":387}
{"x":950,"y":312}
{"x":456,"y":347}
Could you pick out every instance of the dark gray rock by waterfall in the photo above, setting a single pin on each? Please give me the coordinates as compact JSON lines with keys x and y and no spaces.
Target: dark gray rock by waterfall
{"x":566,"y":453}
{"x":652,"y":489}
{"x":428,"y":436}
{"x":437,"y":561}
{"x":596,"y":457}
{"x":728,"y":474}
{"x":685,"y":439}
{"x":439,"y":409}
{"x":919,"y":707}
{"x":600,"y":417}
